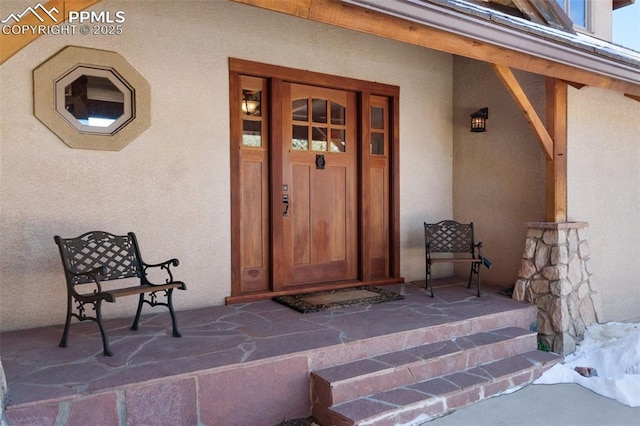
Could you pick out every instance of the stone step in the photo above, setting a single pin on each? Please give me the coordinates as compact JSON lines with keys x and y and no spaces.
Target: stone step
{"x":470,"y":321}
{"x":341,"y":383}
{"x":424,"y":400}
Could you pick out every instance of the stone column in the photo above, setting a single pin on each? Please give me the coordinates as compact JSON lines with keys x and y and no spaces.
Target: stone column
{"x":555,"y":274}
{"x":3,"y":396}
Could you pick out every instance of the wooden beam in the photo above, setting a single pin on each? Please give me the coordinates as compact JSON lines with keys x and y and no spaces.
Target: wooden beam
{"x":575,"y":85}
{"x":512,"y":85}
{"x":334,"y":12}
{"x":553,"y":14}
{"x":634,"y":97}
{"x":10,"y":44}
{"x":525,"y":7}
{"x":557,"y":166}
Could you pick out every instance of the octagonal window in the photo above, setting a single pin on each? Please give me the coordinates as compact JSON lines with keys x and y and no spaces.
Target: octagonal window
{"x":94,"y":100}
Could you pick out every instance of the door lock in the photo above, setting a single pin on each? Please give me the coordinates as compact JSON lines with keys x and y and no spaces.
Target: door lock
{"x":285,"y":201}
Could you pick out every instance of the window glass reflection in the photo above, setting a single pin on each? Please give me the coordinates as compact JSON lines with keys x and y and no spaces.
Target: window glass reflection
{"x":300,"y":140}
{"x":319,"y":139}
{"x":324,"y":119}
{"x":377,"y":143}
{"x":337,"y":114}
{"x":300,"y":110}
{"x":577,"y":12}
{"x":377,"y":118}
{"x":251,"y":133}
{"x":338,"y":141}
{"x":319,"y":110}
{"x":251,"y":102}
{"x":94,"y":101}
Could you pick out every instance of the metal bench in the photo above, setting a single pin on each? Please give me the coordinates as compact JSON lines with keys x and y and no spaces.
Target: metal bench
{"x":95,"y":257}
{"x":455,"y":239}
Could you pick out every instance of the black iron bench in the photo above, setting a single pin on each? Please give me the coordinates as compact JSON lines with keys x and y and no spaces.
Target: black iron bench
{"x":453,"y":238}
{"x":95,"y":257}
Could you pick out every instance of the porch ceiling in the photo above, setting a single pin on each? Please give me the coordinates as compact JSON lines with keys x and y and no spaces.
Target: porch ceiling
{"x":470,"y":30}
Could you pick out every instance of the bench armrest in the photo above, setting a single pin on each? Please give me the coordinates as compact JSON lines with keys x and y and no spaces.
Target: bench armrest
{"x":94,"y":275}
{"x":166,"y":265}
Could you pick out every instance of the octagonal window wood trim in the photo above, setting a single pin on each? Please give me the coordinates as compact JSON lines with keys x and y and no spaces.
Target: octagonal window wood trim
{"x":52,"y":76}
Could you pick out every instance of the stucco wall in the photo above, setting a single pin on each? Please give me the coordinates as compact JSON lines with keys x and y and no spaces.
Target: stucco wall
{"x":171,"y":185}
{"x":604,"y":190}
{"x":498,"y":175}
{"x":600,"y":18}
{"x":499,"y":179}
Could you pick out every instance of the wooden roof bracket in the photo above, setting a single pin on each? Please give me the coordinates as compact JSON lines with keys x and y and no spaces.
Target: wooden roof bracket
{"x":512,"y":85}
{"x":552,"y":138}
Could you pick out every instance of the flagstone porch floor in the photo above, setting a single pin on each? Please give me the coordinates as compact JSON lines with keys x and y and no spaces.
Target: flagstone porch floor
{"x":246,"y":339}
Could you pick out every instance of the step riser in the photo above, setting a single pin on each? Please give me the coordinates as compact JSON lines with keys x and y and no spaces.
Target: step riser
{"x":442,"y":404}
{"x":522,"y":318}
{"x":429,"y":372}
{"x":328,"y":394}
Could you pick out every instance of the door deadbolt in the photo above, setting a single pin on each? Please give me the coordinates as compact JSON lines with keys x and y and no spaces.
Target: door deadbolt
{"x":285,"y":201}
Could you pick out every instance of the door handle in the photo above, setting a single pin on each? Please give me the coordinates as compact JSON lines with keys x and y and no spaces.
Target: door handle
{"x":285,"y":201}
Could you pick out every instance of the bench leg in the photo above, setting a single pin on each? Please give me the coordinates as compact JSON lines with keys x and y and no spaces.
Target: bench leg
{"x":134,"y":326}
{"x":67,"y":324}
{"x":475,"y":269}
{"x":174,"y":321}
{"x":169,"y":304}
{"x":82,"y":317}
{"x":103,"y":333}
{"x":429,"y":281}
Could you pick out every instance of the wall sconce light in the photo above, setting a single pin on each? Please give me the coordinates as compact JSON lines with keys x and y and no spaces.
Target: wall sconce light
{"x":478,"y":120}
{"x":250,"y":102}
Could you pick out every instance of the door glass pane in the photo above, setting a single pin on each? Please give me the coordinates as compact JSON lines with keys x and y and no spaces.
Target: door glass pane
{"x":337,"y":114}
{"x":300,"y":110}
{"x":300,"y":140}
{"x":319,"y":110}
{"x":338,"y":142}
{"x":377,"y":143}
{"x":251,"y":133}
{"x":251,"y":102}
{"x":377,"y":118}
{"x":319,"y":139}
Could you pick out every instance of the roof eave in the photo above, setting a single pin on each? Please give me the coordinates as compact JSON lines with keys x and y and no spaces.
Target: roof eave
{"x":501,"y":31}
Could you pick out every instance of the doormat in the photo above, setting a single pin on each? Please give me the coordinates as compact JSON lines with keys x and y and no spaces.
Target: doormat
{"x":332,"y":299}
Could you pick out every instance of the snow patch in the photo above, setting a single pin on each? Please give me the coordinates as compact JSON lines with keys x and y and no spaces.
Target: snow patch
{"x":613,"y":349}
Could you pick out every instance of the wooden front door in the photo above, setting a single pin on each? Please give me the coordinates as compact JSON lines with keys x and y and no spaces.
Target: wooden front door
{"x":314,"y":182}
{"x":319,"y":194}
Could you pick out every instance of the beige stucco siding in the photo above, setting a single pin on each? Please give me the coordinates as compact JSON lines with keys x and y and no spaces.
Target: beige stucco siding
{"x":171,"y":184}
{"x":604,"y":190}
{"x":499,"y":179}
{"x":499,"y":175}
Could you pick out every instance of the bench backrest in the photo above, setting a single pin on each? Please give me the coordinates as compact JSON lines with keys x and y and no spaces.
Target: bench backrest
{"x":117,"y":254}
{"x":449,"y":236}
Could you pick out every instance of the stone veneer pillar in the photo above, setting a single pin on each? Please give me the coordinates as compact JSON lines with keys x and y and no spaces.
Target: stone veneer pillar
{"x":3,"y":396}
{"x":555,"y":274}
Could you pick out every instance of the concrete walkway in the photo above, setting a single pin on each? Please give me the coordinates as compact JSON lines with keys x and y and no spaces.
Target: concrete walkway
{"x":544,"y":405}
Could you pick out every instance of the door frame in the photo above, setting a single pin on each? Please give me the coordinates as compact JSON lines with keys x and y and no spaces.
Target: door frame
{"x":275,"y":76}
